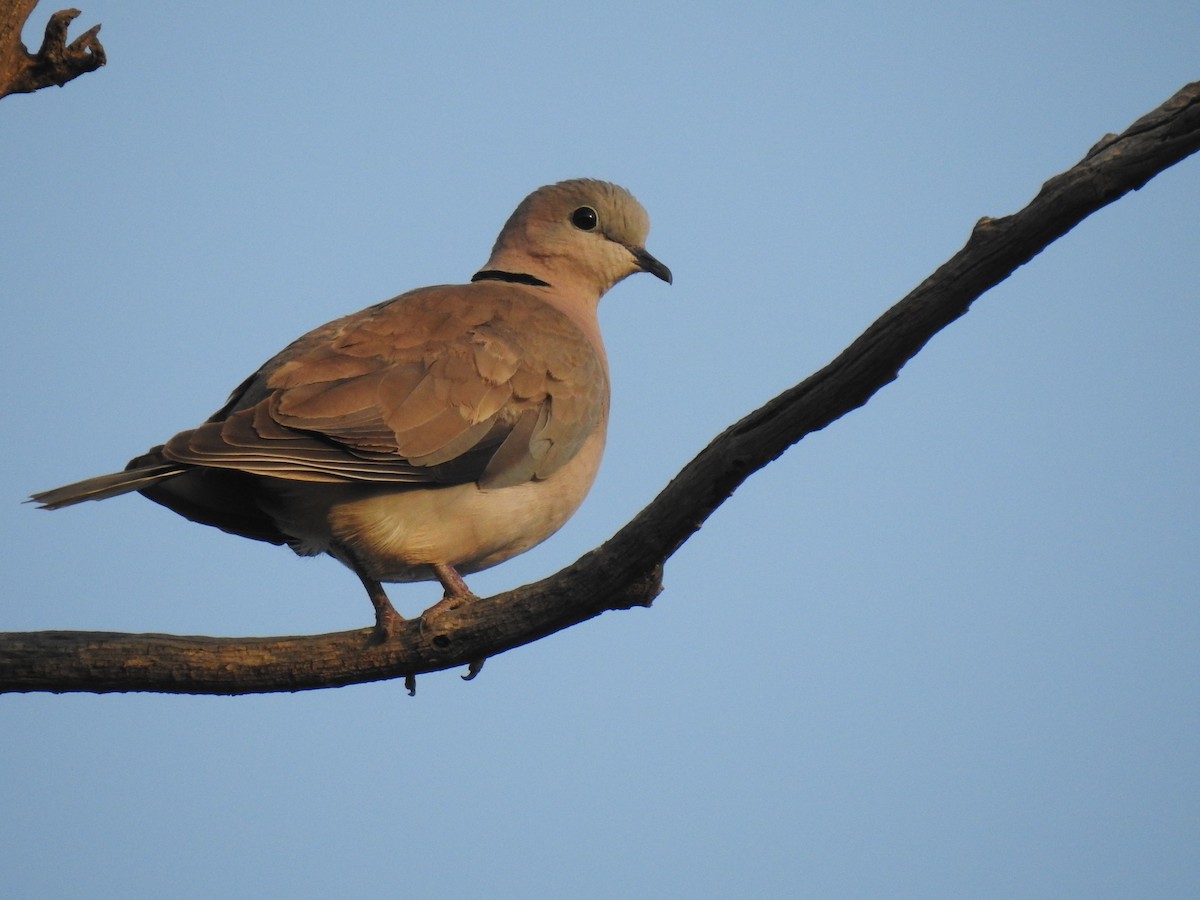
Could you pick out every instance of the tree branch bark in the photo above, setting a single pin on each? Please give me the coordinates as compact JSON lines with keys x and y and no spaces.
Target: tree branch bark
{"x":56,"y":62}
{"x":627,"y":570}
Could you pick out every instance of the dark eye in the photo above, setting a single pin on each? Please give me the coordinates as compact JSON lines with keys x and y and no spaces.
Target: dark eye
{"x":584,"y":218}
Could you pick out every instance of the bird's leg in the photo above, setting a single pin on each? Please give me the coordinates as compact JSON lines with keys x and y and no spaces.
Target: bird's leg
{"x":454,"y":588}
{"x":387,"y":620}
{"x":452,"y":582}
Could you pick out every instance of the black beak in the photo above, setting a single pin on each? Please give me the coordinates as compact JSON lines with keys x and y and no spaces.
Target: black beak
{"x":648,"y":263}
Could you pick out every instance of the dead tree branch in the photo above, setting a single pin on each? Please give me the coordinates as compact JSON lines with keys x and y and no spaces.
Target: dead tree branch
{"x":56,"y":62}
{"x":626,"y":571}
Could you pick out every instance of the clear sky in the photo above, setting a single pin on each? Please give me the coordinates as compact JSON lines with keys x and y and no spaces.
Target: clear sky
{"x":945,"y":648}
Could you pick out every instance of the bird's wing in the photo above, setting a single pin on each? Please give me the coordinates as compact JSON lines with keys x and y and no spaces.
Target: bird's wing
{"x":444,"y":385}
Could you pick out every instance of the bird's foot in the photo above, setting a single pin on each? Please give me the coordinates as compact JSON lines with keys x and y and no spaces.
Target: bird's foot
{"x":443,"y":608}
{"x":456,"y":593}
{"x":388,"y":623}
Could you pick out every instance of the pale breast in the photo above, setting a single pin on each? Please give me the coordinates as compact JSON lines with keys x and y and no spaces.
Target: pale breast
{"x":395,"y":534}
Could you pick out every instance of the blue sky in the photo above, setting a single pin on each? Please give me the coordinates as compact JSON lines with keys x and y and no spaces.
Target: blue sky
{"x":946,"y":647}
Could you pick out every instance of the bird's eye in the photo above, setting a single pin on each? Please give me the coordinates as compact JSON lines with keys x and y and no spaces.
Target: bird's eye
{"x":584,"y":218}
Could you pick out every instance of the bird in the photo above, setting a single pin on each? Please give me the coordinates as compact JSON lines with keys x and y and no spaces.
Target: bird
{"x":429,"y":436}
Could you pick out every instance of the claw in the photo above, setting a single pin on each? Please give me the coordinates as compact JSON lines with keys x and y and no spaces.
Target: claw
{"x":473,"y":668}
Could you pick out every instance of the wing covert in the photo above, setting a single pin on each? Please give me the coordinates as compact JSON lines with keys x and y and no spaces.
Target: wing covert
{"x":424,"y":389}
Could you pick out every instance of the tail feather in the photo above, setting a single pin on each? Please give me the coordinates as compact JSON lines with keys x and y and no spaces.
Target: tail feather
{"x":104,"y":486}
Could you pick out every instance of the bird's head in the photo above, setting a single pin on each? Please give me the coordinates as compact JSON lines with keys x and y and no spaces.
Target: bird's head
{"x":583,"y":235}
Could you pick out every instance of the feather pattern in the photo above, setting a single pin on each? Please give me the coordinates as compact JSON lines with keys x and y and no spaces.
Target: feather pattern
{"x":360,"y":400}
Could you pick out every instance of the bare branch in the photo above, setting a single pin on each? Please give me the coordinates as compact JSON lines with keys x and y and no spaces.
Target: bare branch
{"x":626,"y":571}
{"x":56,"y":62}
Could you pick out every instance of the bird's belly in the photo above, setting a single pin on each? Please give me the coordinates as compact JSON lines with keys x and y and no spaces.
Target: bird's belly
{"x":395,"y":534}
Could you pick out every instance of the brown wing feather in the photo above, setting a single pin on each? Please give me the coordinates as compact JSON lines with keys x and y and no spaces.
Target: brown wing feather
{"x":443,"y":385}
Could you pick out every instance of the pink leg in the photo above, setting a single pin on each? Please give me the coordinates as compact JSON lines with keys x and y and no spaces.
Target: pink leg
{"x":455,"y":589}
{"x":387,"y":620}
{"x":456,"y":593}
{"x":452,"y":582}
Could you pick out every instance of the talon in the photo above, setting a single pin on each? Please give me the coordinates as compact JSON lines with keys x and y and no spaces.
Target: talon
{"x":410,"y":685}
{"x":473,"y":668}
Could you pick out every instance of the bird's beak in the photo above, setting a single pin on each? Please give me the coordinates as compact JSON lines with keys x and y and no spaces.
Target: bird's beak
{"x":648,"y":263}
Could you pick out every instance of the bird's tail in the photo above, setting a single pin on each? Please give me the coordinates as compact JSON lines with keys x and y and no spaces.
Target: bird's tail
{"x":104,"y":486}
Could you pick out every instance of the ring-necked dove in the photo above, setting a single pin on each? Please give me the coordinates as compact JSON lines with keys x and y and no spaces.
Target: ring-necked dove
{"x":430,"y":436}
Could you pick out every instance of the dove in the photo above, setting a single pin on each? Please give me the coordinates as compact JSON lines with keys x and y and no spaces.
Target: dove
{"x":430,"y":436}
